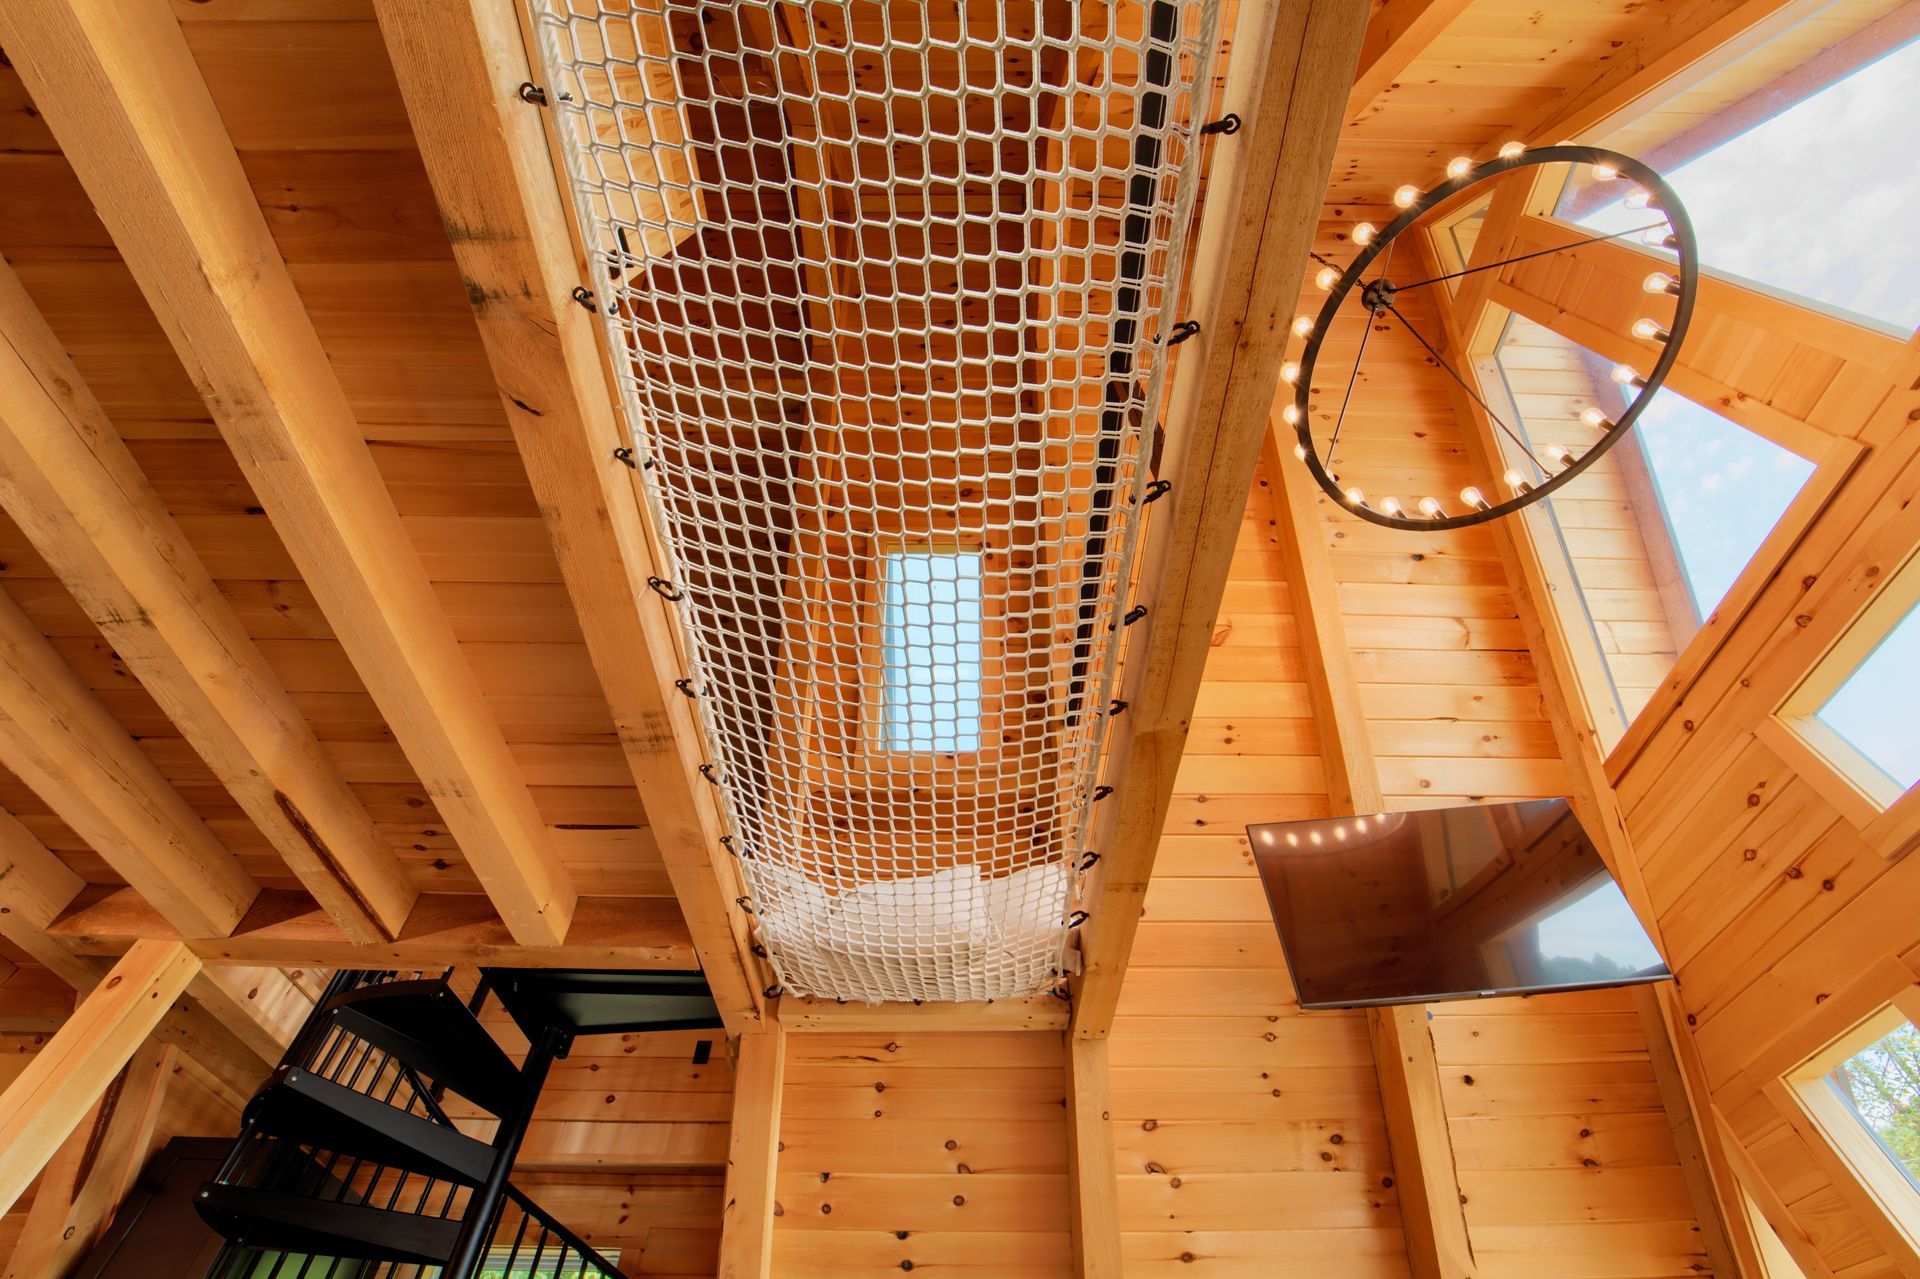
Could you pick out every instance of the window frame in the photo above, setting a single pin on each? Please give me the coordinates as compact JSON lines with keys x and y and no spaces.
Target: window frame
{"x":1792,"y":1074}
{"x":1874,"y":804}
{"x":874,"y":727}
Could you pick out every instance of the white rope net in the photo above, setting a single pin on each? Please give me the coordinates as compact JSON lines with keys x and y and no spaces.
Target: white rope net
{"x":887,"y":285}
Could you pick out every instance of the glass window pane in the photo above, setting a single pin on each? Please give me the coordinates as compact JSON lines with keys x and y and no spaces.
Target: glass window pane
{"x":1722,"y":489}
{"x":1881,"y":1086}
{"x":931,"y":651}
{"x":1876,"y":709}
{"x":1804,"y":199}
{"x":1658,"y":528}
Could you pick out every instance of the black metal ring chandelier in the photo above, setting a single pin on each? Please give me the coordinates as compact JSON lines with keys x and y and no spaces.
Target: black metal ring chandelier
{"x":1377,"y":297}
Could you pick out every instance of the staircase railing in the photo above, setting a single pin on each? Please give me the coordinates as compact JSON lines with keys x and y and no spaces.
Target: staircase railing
{"x":428,"y":1224}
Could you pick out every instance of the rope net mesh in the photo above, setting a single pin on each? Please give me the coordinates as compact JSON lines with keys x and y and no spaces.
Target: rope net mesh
{"x":886,"y":285}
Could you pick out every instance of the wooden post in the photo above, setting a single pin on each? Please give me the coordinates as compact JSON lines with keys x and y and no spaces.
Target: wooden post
{"x":1423,"y":1169}
{"x":1093,"y":1186}
{"x":753,"y":1155}
{"x":63,"y":1081}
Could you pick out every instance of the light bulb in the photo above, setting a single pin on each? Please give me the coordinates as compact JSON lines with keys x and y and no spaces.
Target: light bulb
{"x":1605,"y":172}
{"x":1430,"y":507}
{"x":1649,"y":330}
{"x":1324,"y":278}
{"x":1471,"y":496}
{"x":1290,"y":372}
{"x":1516,"y":481}
{"x":1302,"y":325}
{"x":1363,"y":233}
{"x":1291,"y":415}
{"x":1300,"y":451}
{"x":1314,"y":835}
{"x":1594,"y":418}
{"x":1660,"y":282}
{"x":1625,"y":376}
{"x":1356,"y":498}
{"x":1560,"y":454}
{"x":1639,"y":198}
{"x":1512,"y":150}
{"x":1458,"y":166}
{"x":1406,"y":195}
{"x":1659,"y":238}
{"x":1293,"y":840}
{"x":1390,"y":506}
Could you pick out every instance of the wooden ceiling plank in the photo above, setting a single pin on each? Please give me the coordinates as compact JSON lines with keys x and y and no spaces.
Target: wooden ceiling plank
{"x":1287,"y":81}
{"x":65,"y":1078}
{"x":69,"y":481}
{"x":58,"y":738}
{"x":35,"y":886}
{"x":486,"y":154}
{"x":117,"y":84}
{"x":753,"y":1154}
{"x":288,"y":930}
{"x":1399,"y":32}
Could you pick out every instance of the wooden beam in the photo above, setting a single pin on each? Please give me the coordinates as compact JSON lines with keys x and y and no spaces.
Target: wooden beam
{"x":1424,"y":1173}
{"x":63,"y":1227}
{"x":63,"y":1081}
{"x":1399,"y":32}
{"x":1340,"y":719}
{"x":801,"y":1016}
{"x":1093,"y":1174}
{"x":288,"y":930}
{"x":69,"y":482}
{"x":753,"y":1155}
{"x":118,"y":86}
{"x":1287,"y":80}
{"x":69,"y":749}
{"x":1725,"y":1232}
{"x":35,"y":886}
{"x":486,"y":154}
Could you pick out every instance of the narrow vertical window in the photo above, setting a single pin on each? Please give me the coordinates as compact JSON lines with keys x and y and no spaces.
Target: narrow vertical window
{"x":931,"y":651}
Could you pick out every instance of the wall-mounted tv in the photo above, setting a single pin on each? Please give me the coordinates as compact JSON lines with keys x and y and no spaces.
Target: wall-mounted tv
{"x":1448,"y":903}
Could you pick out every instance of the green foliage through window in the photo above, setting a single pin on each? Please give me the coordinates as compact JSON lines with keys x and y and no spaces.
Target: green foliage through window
{"x":1880,"y":1084}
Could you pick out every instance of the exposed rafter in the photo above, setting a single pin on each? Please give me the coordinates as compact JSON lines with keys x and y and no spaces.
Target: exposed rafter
{"x":486,"y":153}
{"x":1398,"y":32}
{"x":120,"y":89}
{"x":58,"y":738}
{"x":68,"y":480}
{"x":1289,"y":65}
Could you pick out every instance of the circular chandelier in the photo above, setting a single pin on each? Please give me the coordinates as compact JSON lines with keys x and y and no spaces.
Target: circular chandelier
{"x":1531,"y":477}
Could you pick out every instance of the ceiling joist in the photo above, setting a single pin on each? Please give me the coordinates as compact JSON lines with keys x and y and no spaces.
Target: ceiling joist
{"x":120,"y":89}
{"x":69,"y":481}
{"x":1285,"y":79}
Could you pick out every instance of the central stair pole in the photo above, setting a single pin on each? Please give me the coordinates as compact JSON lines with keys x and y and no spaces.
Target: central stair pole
{"x":477,"y":1225}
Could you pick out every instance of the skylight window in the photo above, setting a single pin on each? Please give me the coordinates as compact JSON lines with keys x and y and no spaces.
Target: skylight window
{"x":1806,"y":200}
{"x":931,"y":651}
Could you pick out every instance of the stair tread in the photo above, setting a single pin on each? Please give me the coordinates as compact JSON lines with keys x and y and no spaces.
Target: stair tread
{"x":300,"y":1105}
{"x":424,"y":1024}
{"x":267,"y":1219}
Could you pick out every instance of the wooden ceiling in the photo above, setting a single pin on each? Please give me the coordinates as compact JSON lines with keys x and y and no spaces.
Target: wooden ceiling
{"x":447,"y":392}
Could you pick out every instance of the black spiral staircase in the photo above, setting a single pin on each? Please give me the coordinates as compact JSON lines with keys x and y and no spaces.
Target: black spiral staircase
{"x":348,"y":1165}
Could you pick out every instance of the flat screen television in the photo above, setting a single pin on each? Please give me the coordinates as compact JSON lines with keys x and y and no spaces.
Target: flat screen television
{"x":1448,"y":903}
